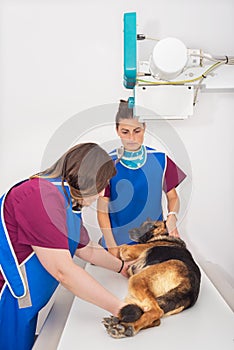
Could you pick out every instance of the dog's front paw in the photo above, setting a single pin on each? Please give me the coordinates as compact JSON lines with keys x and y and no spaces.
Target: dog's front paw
{"x":116,"y":329}
{"x":125,"y":252}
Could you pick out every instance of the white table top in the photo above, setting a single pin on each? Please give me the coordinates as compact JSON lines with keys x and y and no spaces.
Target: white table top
{"x":208,"y":324}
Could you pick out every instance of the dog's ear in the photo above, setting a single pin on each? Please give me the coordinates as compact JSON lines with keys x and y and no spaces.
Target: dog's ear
{"x":149,"y":219}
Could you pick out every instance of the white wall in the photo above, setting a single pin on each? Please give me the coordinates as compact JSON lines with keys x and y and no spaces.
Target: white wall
{"x":59,"y":58}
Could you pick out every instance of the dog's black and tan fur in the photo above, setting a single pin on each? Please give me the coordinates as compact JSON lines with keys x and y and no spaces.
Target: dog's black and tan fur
{"x":164,"y":280}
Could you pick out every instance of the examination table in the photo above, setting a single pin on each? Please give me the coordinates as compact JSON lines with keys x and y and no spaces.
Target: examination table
{"x":209,"y":324}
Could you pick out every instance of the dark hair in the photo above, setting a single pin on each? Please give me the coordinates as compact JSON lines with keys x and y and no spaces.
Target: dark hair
{"x":86,"y":167}
{"x":124,"y":112}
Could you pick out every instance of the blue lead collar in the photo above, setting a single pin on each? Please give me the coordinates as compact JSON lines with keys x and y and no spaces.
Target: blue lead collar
{"x":134,"y":160}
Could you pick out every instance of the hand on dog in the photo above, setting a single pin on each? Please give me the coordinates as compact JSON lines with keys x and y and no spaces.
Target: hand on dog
{"x":174,"y":233}
{"x":171,"y":226}
{"x":124,"y":271}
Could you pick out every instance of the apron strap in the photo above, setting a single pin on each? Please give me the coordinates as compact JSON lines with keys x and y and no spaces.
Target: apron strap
{"x":8,"y":261}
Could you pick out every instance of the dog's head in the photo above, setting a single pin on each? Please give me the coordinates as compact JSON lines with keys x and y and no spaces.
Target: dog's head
{"x":148,"y":231}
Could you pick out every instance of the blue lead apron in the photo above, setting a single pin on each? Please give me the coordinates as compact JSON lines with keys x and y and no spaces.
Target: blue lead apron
{"x":135,"y":195}
{"x":29,"y":286}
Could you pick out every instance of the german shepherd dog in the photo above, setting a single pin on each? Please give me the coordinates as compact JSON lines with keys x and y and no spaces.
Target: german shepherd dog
{"x":164,"y":280}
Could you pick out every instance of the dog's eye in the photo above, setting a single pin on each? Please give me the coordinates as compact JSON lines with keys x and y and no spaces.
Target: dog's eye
{"x":149,"y":227}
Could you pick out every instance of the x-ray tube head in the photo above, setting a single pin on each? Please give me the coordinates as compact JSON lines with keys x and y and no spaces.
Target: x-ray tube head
{"x":168,"y":59}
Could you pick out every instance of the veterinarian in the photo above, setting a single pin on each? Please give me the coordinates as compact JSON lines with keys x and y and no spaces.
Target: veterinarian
{"x":135,"y":192}
{"x":40,"y":231}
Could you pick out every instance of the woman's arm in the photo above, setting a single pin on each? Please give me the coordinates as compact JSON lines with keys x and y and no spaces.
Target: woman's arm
{"x":97,"y":255}
{"x":105,"y":225}
{"x":173,"y":205}
{"x":59,"y":264}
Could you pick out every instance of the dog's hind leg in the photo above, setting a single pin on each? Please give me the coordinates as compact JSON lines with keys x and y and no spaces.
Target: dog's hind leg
{"x":141,"y":294}
{"x":142,"y":311}
{"x":130,"y":321}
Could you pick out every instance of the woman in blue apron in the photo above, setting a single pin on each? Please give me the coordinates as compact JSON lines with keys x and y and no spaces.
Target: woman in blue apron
{"x":40,"y":231}
{"x":135,"y":192}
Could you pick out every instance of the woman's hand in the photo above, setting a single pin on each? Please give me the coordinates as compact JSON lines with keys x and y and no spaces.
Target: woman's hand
{"x":124,"y":271}
{"x":171,"y":226}
{"x":126,"y":266}
{"x":174,"y":233}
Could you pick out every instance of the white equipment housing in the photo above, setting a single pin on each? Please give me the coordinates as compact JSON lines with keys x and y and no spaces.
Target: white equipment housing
{"x":168,"y":83}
